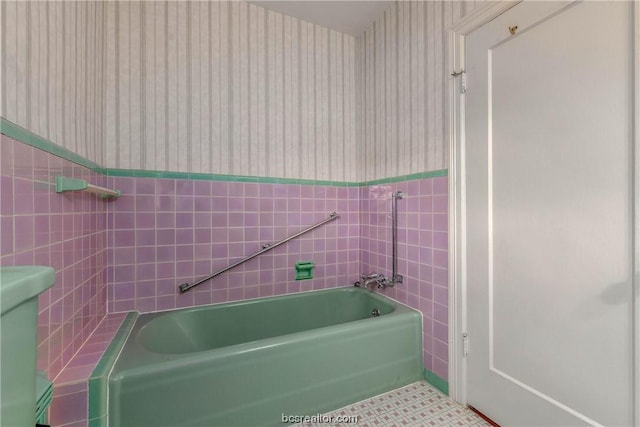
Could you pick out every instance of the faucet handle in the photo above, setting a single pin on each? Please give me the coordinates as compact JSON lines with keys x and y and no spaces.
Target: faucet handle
{"x":382,"y":281}
{"x":370,"y":276}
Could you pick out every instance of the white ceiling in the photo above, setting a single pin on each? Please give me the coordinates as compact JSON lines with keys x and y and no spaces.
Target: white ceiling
{"x":351,"y":17}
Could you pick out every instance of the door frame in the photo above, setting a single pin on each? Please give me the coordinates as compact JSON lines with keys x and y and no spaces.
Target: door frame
{"x":457,"y":197}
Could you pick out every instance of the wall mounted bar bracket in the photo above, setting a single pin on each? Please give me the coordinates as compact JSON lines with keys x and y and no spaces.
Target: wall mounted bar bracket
{"x":64,"y":184}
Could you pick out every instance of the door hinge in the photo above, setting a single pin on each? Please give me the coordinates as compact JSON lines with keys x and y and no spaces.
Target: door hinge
{"x":463,"y":80}
{"x":465,"y":344}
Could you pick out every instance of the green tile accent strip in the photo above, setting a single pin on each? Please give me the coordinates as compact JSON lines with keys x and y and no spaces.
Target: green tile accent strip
{"x":18,"y":133}
{"x":411,"y":177}
{"x":436,"y":381}
{"x":269,"y":180}
{"x":99,"y":380}
{"x":218,"y":177}
{"x":21,"y":134}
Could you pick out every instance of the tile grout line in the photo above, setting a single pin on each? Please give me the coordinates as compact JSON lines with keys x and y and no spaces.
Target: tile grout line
{"x":80,"y":349}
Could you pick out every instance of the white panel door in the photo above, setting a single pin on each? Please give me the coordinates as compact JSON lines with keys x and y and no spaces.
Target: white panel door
{"x":549,"y":214}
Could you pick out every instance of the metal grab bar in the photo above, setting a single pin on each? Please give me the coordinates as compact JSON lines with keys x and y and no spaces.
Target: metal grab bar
{"x":380,"y":280}
{"x":186,"y":286}
{"x":395,"y":277}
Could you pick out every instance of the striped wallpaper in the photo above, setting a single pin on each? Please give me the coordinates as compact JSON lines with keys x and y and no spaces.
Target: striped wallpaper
{"x":53,"y":72}
{"x":228,"y":88}
{"x":402,"y":92}
{"x":231,"y":88}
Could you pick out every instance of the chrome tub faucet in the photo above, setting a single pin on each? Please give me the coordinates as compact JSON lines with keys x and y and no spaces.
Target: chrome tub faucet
{"x":372,"y":281}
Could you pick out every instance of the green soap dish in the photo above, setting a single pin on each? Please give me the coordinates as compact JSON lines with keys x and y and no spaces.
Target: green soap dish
{"x":304,"y":270}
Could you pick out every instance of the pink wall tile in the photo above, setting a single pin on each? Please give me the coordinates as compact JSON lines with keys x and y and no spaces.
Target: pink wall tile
{"x":423,"y":255}
{"x":68,"y":408}
{"x":65,"y":231}
{"x":133,"y":252}
{"x":195,"y":234}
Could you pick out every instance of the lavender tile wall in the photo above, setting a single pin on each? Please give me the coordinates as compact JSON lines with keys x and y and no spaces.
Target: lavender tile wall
{"x":163,"y":232}
{"x":66,"y":231}
{"x":422,"y":254}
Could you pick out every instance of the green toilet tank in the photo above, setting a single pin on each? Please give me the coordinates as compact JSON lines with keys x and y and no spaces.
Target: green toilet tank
{"x":19,"y":290}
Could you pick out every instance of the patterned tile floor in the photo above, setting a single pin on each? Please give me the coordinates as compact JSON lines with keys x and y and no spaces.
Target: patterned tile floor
{"x":417,"y":404}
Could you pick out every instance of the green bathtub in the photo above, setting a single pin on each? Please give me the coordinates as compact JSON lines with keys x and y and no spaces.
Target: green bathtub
{"x":249,"y":363}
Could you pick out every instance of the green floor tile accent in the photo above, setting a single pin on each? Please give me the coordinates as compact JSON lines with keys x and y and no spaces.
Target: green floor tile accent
{"x":99,"y":379}
{"x":436,"y":381}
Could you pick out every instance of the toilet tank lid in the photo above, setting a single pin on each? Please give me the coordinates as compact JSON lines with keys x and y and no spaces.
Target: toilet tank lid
{"x":21,"y":283}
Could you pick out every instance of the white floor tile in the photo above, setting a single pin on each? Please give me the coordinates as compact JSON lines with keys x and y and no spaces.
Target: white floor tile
{"x":418,"y":404}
